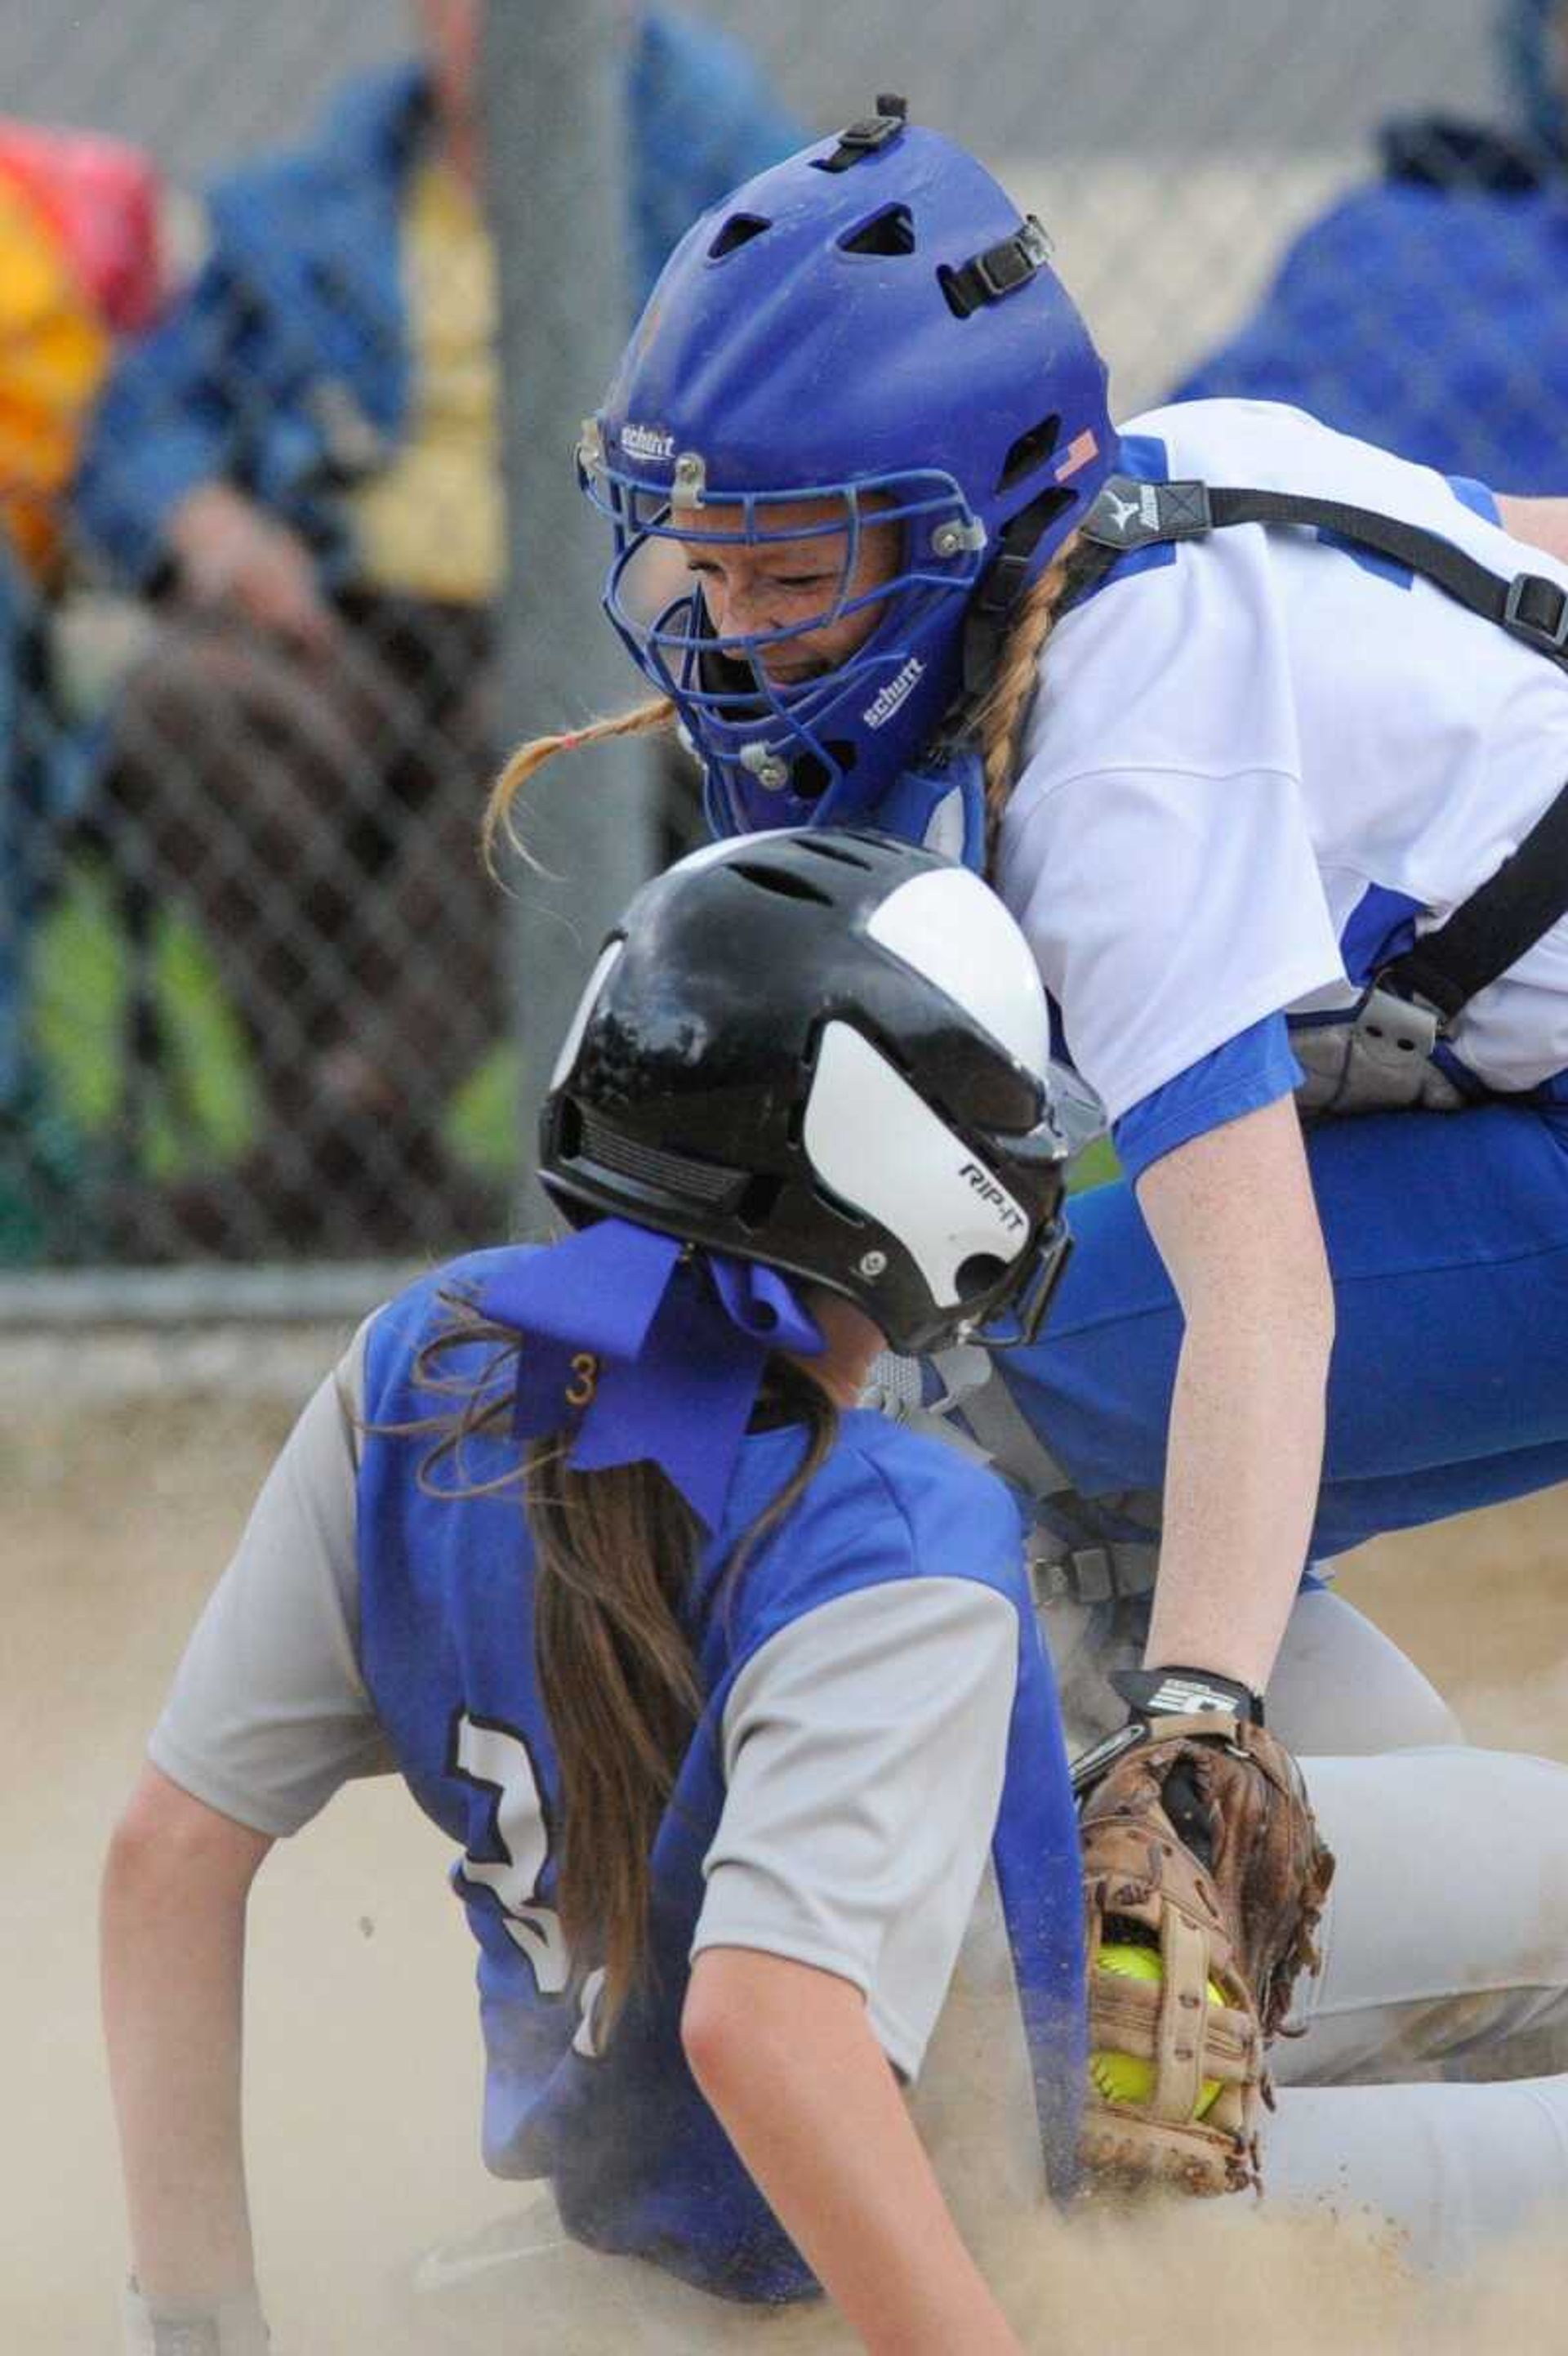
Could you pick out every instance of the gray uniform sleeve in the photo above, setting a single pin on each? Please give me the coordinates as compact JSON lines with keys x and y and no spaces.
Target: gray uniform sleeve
{"x":864,"y":1751}
{"x":268,"y":1713}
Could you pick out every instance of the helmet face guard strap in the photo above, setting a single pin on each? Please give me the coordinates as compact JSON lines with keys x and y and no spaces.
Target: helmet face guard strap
{"x":1014,"y":1323}
{"x":997,"y":594}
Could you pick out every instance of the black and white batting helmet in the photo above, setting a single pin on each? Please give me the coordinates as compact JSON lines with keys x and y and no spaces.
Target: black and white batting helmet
{"x":828,"y":1051}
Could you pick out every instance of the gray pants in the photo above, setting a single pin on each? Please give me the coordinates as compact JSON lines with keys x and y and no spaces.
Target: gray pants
{"x":1446,"y":1938}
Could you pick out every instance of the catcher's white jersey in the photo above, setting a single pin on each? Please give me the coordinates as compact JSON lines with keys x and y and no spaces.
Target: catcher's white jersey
{"x":1253,"y":754}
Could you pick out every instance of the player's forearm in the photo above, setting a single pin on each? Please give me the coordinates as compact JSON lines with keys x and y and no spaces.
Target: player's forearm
{"x":1233,"y":1215}
{"x":786,"y":2058}
{"x":173,"y":1928}
{"x":1242,"y":1481}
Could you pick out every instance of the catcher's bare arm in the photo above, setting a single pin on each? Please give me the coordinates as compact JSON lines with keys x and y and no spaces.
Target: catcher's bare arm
{"x":1233,"y":1214}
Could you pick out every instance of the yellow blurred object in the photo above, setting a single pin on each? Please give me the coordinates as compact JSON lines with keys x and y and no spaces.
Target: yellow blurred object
{"x":430,"y":521}
{"x":1126,"y":2077}
{"x":81,"y":262}
{"x":54,"y":350}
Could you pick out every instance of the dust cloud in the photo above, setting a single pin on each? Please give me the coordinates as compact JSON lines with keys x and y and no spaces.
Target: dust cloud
{"x":363,"y":2061}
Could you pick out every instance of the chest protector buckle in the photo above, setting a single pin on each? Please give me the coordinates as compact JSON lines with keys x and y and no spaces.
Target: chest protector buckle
{"x":1377,"y":1059}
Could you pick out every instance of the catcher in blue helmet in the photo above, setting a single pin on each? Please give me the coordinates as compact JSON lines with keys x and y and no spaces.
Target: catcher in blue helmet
{"x":1261,"y":732}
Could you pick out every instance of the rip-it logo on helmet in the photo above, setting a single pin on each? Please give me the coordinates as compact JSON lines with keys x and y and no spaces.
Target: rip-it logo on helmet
{"x":938,"y":479}
{"x":1008,"y":1212}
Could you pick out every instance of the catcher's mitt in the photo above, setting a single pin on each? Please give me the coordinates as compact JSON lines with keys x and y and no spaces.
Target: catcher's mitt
{"x":1199,"y":1840}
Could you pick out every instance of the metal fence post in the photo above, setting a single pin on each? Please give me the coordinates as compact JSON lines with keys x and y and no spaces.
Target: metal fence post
{"x":556,"y":183}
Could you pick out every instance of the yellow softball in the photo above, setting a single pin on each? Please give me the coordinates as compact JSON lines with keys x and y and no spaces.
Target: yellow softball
{"x":1125,"y":2077}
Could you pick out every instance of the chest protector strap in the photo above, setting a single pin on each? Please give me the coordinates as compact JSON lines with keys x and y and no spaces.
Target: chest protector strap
{"x":1529,"y":893}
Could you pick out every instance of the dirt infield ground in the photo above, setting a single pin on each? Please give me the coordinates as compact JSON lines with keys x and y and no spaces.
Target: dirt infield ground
{"x":363,"y":2068}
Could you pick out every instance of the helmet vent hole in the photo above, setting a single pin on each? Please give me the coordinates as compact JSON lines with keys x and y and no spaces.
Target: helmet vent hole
{"x":891,"y":231}
{"x":814,"y":846}
{"x":782,"y":882}
{"x":811,"y":777}
{"x":737,"y":231}
{"x":979,"y":1275}
{"x":1030,"y":451}
{"x":678,"y":1178}
{"x":758,"y":1202}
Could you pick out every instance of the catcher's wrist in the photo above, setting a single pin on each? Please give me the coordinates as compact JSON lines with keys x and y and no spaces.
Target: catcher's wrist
{"x":1172,"y":1691}
{"x":235,"y":2327}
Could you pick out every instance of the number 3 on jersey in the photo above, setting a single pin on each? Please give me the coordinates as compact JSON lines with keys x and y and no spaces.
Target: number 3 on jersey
{"x":497,"y":1758}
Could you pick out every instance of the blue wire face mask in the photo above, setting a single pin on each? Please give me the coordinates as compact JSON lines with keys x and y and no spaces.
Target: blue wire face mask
{"x":811,"y":718}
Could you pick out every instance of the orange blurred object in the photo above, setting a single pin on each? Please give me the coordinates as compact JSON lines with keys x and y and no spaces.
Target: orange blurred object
{"x":79,"y":264}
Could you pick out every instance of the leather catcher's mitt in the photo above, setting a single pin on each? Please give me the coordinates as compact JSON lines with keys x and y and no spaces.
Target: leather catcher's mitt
{"x":1198,"y":1840}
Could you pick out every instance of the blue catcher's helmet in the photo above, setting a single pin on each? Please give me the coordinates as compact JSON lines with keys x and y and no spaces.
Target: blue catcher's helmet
{"x":866,"y":347}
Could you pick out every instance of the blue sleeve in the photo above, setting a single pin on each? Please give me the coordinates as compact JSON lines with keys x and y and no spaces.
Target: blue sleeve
{"x":165,"y":420}
{"x":1350,"y":304}
{"x":1255,"y":1069}
{"x":1477,"y":497}
{"x":1350,"y":331}
{"x":702,"y":120}
{"x":1296,"y":345}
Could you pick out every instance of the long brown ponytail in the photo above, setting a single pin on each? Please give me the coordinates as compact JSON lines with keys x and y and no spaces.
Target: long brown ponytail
{"x":614,"y":1556}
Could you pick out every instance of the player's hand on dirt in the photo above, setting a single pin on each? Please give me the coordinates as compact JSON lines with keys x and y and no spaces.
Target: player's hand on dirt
{"x":228,"y":553}
{"x":234,"y":2327}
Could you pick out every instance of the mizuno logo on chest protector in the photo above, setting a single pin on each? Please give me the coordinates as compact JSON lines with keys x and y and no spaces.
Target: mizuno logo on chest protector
{"x":1143,"y":509}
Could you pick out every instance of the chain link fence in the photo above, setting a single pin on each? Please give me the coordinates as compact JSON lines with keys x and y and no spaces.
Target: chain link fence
{"x":270,"y":382}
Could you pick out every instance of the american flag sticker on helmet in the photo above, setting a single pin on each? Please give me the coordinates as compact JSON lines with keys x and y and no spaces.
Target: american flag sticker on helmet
{"x":1076,"y":456}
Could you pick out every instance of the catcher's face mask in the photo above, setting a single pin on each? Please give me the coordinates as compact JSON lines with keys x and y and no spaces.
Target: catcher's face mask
{"x":799,"y":634}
